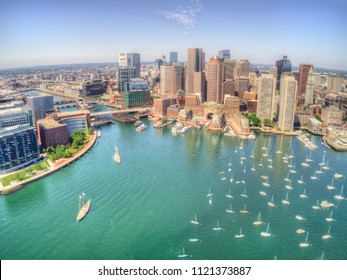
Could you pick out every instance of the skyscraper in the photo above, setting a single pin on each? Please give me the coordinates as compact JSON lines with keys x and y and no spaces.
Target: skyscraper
{"x":125,"y":73}
{"x":214,"y":77}
{"x":173,"y":57}
{"x":224,"y":54}
{"x":195,"y":63}
{"x":282,"y":65}
{"x":40,"y":105}
{"x":166,"y":79}
{"x":177,"y":78}
{"x":304,"y":69}
{"x":310,"y":87}
{"x":266,"y":97}
{"x":131,"y":60}
{"x":289,"y":89}
{"x":230,"y":69}
{"x":244,"y":67}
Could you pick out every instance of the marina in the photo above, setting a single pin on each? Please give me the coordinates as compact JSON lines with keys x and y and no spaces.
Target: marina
{"x":124,"y":222}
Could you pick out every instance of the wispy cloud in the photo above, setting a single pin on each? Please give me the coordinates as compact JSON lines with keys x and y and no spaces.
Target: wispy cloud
{"x":185,"y":15}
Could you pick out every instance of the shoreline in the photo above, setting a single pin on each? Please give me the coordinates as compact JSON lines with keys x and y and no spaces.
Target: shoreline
{"x":56,"y":166}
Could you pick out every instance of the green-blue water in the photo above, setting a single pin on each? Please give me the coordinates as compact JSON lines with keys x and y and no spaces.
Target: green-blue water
{"x":142,"y":208}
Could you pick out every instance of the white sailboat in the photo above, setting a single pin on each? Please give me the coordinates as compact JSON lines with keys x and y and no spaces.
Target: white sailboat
{"x":339,"y":196}
{"x":116,"y":156}
{"x":266,"y":184}
{"x":338,"y":175}
{"x":240,"y":235}
{"x":298,"y":217}
{"x":209,"y":192}
{"x":231,"y":178}
{"x":314,"y":177}
{"x":316,"y":207}
{"x":253,"y":168}
{"x":328,"y":235}
{"x":300,"y":231}
{"x":293,"y":170}
{"x":300,"y":181}
{"x":230,"y":164}
{"x":271,"y":203}
{"x":262,"y":193}
{"x":287,"y":179}
{"x":286,"y":201}
{"x":261,"y":163}
{"x":229,"y":210}
{"x":330,"y":218}
{"x":305,"y":244}
{"x":244,"y":194}
{"x":217,"y":227}
{"x":326,"y":204}
{"x":210,"y":200}
{"x":323,"y":161}
{"x":229,"y":194}
{"x":331,"y":186}
{"x":320,"y":171}
{"x":244,"y":210}
{"x":326,"y":166}
{"x":195,"y":221}
{"x":194,"y":239}
{"x":266,"y":233}
{"x":309,"y":159}
{"x":305,"y":164}
{"x":182,"y":254}
{"x":303,"y":195}
{"x":258,"y":221}
{"x":289,"y":187}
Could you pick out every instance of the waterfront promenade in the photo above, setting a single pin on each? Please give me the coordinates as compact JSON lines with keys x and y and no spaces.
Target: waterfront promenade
{"x":54,"y":166}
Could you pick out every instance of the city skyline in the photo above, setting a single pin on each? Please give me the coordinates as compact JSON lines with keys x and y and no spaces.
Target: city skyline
{"x":64,"y":32}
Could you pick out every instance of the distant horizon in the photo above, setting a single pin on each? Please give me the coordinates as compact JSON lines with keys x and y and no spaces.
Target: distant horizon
{"x":40,"y":32}
{"x":253,"y":64}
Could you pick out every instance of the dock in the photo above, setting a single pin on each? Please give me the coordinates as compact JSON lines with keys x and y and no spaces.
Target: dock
{"x":123,"y":117}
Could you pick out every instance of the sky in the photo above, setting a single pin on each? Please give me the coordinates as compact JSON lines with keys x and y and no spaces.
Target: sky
{"x":46,"y":32}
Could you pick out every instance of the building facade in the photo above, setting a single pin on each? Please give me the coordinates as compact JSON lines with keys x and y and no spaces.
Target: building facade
{"x":15,"y":116}
{"x":304,"y":71}
{"x":40,"y":105}
{"x":282,"y":65}
{"x":125,"y":73}
{"x":166,"y":74}
{"x":131,"y":60}
{"x":288,"y":93}
{"x":173,"y":57}
{"x":18,"y":148}
{"x":214,"y":77}
{"x":195,"y":63}
{"x":266,"y":97}
{"x":138,"y":94}
{"x":244,"y":67}
{"x":309,"y":87}
{"x":51,"y":133}
{"x":224,"y":54}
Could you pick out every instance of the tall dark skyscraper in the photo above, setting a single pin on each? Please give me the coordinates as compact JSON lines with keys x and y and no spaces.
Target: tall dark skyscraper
{"x":195,"y":63}
{"x":283,"y":65}
{"x":304,"y":69}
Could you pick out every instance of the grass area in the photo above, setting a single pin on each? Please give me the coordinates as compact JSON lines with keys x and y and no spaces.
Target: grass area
{"x":24,"y":174}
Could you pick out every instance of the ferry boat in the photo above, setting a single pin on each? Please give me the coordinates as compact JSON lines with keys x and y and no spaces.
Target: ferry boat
{"x":84,"y":209}
{"x":141,"y":128}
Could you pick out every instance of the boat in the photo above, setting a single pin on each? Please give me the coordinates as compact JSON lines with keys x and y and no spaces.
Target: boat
{"x":339,"y":196}
{"x":158,"y":124}
{"x":229,"y":194}
{"x":326,"y":204}
{"x":244,"y":211}
{"x":289,"y":187}
{"x":185,"y":129}
{"x":331,"y":186}
{"x":320,"y":171}
{"x":305,"y":164}
{"x":258,"y":221}
{"x":266,"y":233}
{"x":229,"y":210}
{"x":183,"y":254}
{"x":314,"y":177}
{"x":195,"y":221}
{"x":293,"y":170}
{"x":309,"y":159}
{"x":240,"y":235}
{"x":253,"y":168}
{"x":177,"y":128}
{"x":262,"y":193}
{"x":244,"y":194}
{"x":218,"y":227}
{"x":287,"y":179}
{"x":223,"y":178}
{"x":230,"y":164}
{"x":301,"y":181}
{"x":83,"y":207}
{"x":338,"y":176}
{"x":330,"y":218}
{"x":286,"y":201}
{"x":266,"y":184}
{"x":316,"y":207}
{"x":141,"y":128}
{"x":264,"y":177}
{"x":300,"y":231}
{"x":305,"y":244}
{"x":278,"y":152}
{"x":326,"y":166}
{"x":252,"y":136}
{"x":209,"y":192}
{"x":261,"y":163}
{"x":137,"y":123}
{"x":298,"y":217}
{"x":323,"y":161}
{"x":271,"y":203}
{"x":199,"y":126}
{"x":116,"y":156}
{"x":327,"y":236}
{"x":194,"y":239}
{"x":303,"y":195}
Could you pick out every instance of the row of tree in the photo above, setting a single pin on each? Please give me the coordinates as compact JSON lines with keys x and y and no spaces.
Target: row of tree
{"x":256,"y":122}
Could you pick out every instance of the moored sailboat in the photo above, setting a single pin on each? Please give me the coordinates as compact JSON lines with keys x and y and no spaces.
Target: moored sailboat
{"x":83,"y":207}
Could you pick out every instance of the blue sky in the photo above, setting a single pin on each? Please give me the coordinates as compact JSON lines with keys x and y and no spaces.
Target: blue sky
{"x":38,"y":32}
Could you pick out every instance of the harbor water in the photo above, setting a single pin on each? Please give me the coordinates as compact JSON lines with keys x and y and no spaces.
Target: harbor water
{"x":143,"y":207}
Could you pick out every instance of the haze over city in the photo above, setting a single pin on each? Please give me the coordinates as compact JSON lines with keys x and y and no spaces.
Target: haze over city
{"x":61,"y":32}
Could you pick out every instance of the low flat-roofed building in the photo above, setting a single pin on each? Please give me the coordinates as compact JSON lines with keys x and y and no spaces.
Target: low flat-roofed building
{"x":51,"y":133}
{"x":315,"y":126}
{"x":332,"y":115}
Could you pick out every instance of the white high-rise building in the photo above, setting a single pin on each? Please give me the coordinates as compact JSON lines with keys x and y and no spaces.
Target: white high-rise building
{"x":166,"y":79}
{"x":266,"y":97}
{"x":131,"y":60}
{"x":288,"y":92}
{"x":310,"y":87}
{"x":335,"y":83}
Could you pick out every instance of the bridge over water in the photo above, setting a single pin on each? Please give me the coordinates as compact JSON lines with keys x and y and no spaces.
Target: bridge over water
{"x":110,"y":112}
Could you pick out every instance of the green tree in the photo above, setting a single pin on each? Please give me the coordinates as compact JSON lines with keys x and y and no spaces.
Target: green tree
{"x":318,"y":117}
